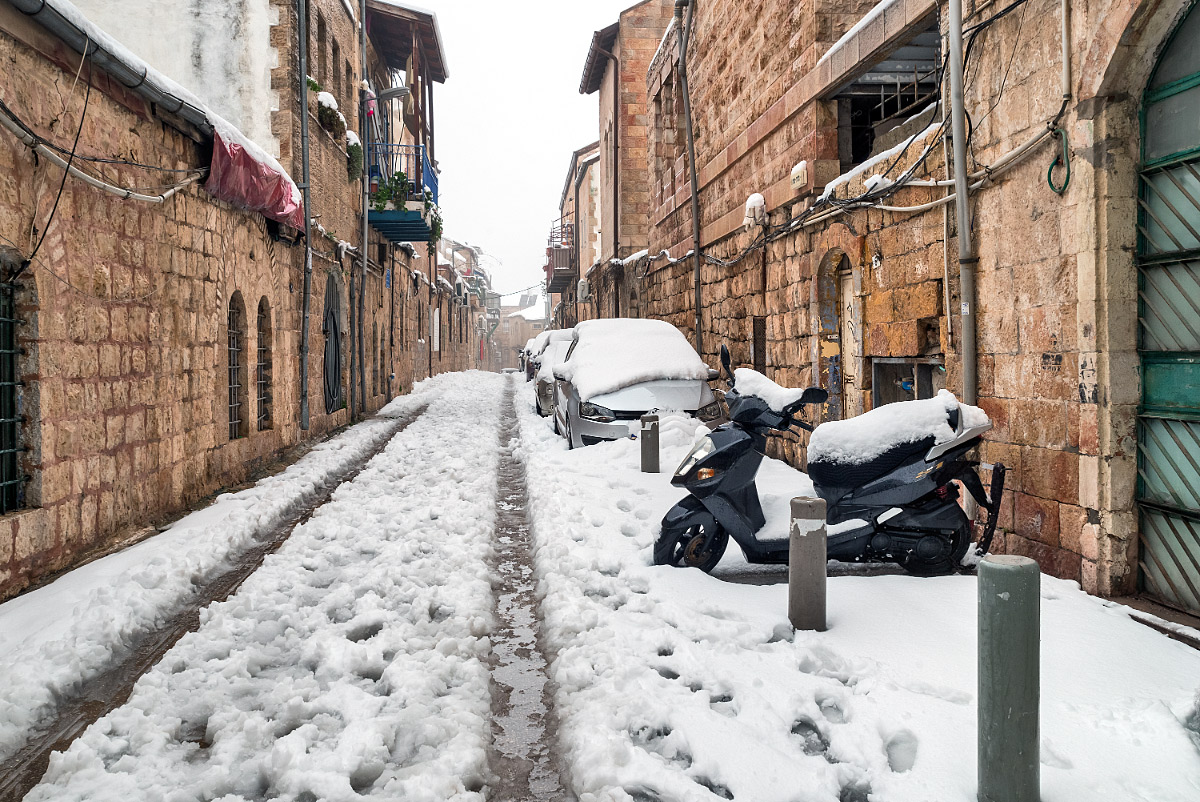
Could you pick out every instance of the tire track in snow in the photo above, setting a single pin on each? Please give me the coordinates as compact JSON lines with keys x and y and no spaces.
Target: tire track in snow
{"x":522,"y":754}
{"x":111,"y":688}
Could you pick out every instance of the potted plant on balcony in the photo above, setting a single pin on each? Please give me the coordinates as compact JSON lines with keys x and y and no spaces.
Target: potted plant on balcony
{"x":392,"y":193}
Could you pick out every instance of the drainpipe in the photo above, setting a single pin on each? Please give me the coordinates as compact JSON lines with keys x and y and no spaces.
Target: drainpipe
{"x":616,"y":65}
{"x":362,"y":281}
{"x":303,"y":31}
{"x":685,"y":31}
{"x":967,"y":260}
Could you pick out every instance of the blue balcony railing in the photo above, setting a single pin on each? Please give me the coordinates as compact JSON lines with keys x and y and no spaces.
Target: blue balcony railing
{"x":386,"y":160}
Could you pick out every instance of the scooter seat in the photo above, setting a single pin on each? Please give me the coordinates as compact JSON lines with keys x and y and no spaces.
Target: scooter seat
{"x":828,"y":472}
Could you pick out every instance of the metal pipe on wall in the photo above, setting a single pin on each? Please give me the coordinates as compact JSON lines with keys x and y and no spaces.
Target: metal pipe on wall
{"x":966,"y":245}
{"x":685,"y":30}
{"x":362,"y":281}
{"x":307,"y":303}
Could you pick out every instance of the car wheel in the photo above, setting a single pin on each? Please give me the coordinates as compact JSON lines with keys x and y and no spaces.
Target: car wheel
{"x":687,"y":548}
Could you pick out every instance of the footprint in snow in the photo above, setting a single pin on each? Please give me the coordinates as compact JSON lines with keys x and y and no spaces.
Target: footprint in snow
{"x":901,"y":751}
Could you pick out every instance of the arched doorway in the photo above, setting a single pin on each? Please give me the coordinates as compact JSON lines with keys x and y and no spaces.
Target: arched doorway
{"x":837,"y":358}
{"x":1169,"y":324}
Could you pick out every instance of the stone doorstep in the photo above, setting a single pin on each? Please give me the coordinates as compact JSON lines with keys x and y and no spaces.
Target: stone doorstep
{"x":1147,"y":611}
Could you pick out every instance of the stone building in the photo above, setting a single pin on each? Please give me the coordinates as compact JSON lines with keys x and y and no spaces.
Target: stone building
{"x":153,"y":336}
{"x":574,"y":242}
{"x":1087,"y":307}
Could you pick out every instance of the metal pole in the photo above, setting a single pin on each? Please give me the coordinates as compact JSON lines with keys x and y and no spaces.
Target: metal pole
{"x":806,"y":565}
{"x":1009,"y":691}
{"x":649,"y":438}
{"x":966,"y":246}
{"x":684,"y":34}
{"x":303,"y":33}
{"x":362,"y":283}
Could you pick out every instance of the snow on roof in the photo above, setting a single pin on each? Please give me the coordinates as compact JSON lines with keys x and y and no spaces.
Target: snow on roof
{"x":751,"y":382}
{"x":221,"y":127}
{"x":879,"y":8}
{"x":535,"y":312}
{"x":862,"y":439}
{"x":616,"y":353}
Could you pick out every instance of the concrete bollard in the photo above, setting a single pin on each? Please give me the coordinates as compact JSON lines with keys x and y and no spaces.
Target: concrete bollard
{"x":806,"y":565}
{"x":649,"y":438}
{"x":1009,"y":679}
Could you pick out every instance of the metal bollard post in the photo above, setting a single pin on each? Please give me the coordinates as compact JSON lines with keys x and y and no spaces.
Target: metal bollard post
{"x":806,"y":565}
{"x":649,"y":438}
{"x":1009,"y":689}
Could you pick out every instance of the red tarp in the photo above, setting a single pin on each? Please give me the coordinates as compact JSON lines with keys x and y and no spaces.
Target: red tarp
{"x":237,"y":177}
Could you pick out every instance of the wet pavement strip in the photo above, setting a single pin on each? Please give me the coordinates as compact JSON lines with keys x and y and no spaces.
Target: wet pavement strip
{"x":523,"y":755}
{"x":109,"y":690}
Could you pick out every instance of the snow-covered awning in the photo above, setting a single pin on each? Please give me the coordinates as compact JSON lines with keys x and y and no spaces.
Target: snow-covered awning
{"x":241,"y":174}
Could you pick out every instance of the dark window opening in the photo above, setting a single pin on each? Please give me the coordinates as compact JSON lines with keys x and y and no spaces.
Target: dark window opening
{"x":898,"y":379}
{"x":758,"y":345}
{"x":263,"y":372}
{"x":322,"y":50}
{"x":237,"y":367}
{"x":335,"y":396}
{"x":12,"y":478}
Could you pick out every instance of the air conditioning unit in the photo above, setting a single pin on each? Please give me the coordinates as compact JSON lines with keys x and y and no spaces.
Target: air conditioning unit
{"x":585,"y":291}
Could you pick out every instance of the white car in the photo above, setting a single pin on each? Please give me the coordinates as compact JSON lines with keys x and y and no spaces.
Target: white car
{"x":619,"y":369}
{"x":554,"y":354}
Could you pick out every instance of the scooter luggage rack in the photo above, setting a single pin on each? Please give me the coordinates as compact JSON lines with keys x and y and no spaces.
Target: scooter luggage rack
{"x":995,"y":493}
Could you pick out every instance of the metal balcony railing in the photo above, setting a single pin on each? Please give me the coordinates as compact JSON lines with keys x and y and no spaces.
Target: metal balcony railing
{"x":413,"y":160}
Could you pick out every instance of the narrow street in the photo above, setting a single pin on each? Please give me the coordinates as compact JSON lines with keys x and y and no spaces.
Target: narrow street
{"x":466,"y":610}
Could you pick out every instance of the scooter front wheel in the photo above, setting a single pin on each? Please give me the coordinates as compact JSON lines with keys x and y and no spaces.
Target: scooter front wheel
{"x":694,"y":547}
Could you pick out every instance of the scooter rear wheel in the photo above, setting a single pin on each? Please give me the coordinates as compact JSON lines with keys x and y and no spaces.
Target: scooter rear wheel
{"x":686,"y":549}
{"x":945,"y":560}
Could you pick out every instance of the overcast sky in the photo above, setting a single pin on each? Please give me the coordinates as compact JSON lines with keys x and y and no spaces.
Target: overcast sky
{"x":508,"y":119}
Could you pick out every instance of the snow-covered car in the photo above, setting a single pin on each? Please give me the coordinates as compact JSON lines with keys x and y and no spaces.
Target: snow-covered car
{"x":617,"y":370}
{"x":553,"y":355}
{"x":539,"y":344}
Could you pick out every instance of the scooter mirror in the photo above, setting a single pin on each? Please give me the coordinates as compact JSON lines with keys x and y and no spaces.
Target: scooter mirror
{"x":726,"y":361}
{"x":814,"y":395}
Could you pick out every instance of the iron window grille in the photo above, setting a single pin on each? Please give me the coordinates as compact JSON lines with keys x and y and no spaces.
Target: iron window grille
{"x":235,"y":372}
{"x":12,"y":477}
{"x":263,"y":372}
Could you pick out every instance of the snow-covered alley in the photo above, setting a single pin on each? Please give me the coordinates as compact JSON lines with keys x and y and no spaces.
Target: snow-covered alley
{"x":391,"y":648}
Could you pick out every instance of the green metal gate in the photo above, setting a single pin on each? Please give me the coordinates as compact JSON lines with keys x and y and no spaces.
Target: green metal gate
{"x":1169,"y":325}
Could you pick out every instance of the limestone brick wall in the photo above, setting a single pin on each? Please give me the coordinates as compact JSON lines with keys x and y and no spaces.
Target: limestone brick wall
{"x":125,"y":312}
{"x":1056,"y":302}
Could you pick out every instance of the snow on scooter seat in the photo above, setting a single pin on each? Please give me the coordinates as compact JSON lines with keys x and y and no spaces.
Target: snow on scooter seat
{"x":778,"y":397}
{"x":613,"y":354}
{"x":861,"y":439}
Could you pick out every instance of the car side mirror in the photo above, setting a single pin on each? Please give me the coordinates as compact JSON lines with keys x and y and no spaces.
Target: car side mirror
{"x":713,"y":375}
{"x":558,"y":375}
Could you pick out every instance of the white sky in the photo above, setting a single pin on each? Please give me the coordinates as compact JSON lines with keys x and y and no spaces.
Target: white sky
{"x":508,"y":119}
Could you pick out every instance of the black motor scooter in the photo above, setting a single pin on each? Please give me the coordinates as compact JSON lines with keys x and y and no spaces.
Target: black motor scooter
{"x":900,"y":506}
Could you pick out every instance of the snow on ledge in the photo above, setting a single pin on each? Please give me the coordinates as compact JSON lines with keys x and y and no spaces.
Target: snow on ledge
{"x":879,"y":8}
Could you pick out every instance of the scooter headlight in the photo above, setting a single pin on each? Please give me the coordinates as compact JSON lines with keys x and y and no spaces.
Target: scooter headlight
{"x":699,"y":451}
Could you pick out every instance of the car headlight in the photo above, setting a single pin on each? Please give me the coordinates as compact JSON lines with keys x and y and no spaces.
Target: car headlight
{"x":597,"y":413}
{"x":710,"y":412}
{"x":699,"y":451}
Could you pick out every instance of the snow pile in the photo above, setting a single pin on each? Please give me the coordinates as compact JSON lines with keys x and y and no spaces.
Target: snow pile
{"x":327,"y":100}
{"x":349,"y":666}
{"x":616,"y":353}
{"x":551,"y":356}
{"x":55,"y":637}
{"x":751,"y":382}
{"x":864,"y":438}
{"x":675,"y":685}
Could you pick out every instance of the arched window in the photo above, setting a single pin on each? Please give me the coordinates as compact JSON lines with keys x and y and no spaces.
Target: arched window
{"x":384,"y":369}
{"x":237,"y":367}
{"x":263,"y":371}
{"x":375,"y":366}
{"x":335,"y":395}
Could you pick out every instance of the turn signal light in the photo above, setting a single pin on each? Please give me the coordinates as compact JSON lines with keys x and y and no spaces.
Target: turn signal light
{"x":705,"y":473}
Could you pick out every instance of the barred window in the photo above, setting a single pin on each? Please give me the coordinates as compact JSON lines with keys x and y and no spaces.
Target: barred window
{"x":263,"y":372}
{"x":12,"y":477}
{"x":237,"y":367}
{"x":375,"y":367}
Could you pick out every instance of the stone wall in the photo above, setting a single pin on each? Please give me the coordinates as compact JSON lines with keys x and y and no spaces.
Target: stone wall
{"x":126,"y":313}
{"x":1056,"y":302}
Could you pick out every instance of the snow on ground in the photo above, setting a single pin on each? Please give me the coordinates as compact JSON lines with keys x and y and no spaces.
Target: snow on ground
{"x":55,"y":637}
{"x":349,"y":665}
{"x":674,"y":685}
